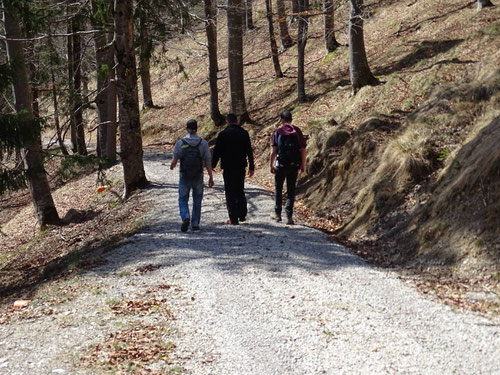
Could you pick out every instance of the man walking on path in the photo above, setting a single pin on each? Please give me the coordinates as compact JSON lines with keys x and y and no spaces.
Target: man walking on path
{"x":288,"y":159}
{"x":193,"y":152}
{"x":233,"y":148}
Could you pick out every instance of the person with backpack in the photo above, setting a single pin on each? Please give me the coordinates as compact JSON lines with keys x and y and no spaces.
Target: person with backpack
{"x":194,"y":154}
{"x":288,"y":159}
{"x":233,"y":148}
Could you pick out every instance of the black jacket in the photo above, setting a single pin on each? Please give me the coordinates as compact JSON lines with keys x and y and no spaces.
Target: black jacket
{"x":232,"y":148}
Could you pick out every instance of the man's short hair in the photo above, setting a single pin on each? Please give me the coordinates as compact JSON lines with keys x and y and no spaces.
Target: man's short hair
{"x":192,"y":126}
{"x":286,"y":115}
{"x":231,"y":118}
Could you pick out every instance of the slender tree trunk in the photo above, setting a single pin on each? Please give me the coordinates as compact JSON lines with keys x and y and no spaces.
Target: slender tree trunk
{"x":295,"y":10}
{"x":130,"y":125}
{"x":360,"y":72}
{"x":286,"y":40}
{"x":103,"y":73}
{"x":235,"y":60}
{"x":331,"y":43}
{"x":77,"y":85}
{"x":249,"y":14}
{"x":301,"y":48}
{"x":211,"y":30}
{"x":71,"y":88}
{"x":146,"y":50}
{"x":484,"y":4}
{"x":33,"y":159}
{"x":112,"y":97}
{"x":60,"y":139}
{"x":272,"y":39}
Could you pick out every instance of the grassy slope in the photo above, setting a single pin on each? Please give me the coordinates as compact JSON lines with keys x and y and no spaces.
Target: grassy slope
{"x":399,"y":178}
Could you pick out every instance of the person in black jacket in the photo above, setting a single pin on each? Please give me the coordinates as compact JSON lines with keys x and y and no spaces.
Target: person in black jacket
{"x":233,"y":148}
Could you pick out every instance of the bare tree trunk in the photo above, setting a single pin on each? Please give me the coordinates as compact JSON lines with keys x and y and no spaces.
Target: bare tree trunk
{"x":331,"y":43}
{"x":146,"y":50}
{"x":77,"y":86}
{"x":130,"y":125}
{"x":286,"y":40}
{"x":301,"y":48}
{"x":235,"y":60}
{"x":71,"y":88}
{"x":272,"y":39}
{"x":295,"y":10}
{"x":360,"y":72}
{"x":484,"y":4}
{"x":249,"y":14}
{"x":33,"y":159}
{"x":211,"y":30}
{"x":104,"y":62}
{"x":60,"y":139}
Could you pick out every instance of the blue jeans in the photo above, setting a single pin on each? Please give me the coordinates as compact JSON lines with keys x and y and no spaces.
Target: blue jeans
{"x":185,"y":186}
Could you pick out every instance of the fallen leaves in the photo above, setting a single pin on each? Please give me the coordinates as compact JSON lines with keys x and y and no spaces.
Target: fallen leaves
{"x":132,"y":351}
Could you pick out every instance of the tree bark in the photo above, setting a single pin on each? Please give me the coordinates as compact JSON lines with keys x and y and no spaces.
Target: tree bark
{"x":295,"y":10}
{"x":211,"y":31}
{"x":60,"y":139}
{"x":128,"y":97}
{"x":105,"y":72}
{"x":235,"y":60}
{"x":358,"y":63}
{"x":146,"y":49}
{"x":301,"y":47}
{"x":286,"y":40}
{"x":331,"y":43}
{"x":71,"y":89}
{"x":274,"y":46}
{"x":75,"y":81}
{"x":33,"y":159}
{"x":249,"y":15}
{"x":484,"y":4}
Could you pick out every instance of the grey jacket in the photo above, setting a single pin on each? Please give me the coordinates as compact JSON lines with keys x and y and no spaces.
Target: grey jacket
{"x":193,"y":139}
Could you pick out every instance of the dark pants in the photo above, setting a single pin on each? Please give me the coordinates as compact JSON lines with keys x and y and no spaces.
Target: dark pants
{"x":290,"y":174}
{"x":234,"y":186}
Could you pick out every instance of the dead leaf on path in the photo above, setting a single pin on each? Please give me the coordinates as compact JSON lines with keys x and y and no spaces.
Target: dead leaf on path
{"x":20,"y":303}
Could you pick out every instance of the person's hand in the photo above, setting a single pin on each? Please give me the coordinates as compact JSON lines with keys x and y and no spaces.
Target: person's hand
{"x":250,"y":172}
{"x":210,"y":181}
{"x":172,"y":167}
{"x":301,"y":169}
{"x":273,"y":169}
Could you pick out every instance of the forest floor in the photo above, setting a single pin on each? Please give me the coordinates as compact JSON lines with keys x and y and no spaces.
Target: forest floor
{"x":261,"y":297}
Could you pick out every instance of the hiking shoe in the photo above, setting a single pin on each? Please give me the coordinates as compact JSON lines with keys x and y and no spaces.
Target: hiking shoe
{"x":289,"y":221}
{"x":242,"y":219}
{"x":195,"y":228}
{"x":231,"y":222}
{"x":275,"y":216}
{"x":185,"y":225}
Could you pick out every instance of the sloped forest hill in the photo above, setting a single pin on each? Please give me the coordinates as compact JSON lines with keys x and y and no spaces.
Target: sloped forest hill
{"x":409,"y":170}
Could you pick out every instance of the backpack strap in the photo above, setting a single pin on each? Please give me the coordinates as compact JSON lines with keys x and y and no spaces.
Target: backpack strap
{"x":185,"y":144}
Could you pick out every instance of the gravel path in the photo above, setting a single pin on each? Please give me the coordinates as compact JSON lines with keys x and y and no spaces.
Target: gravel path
{"x":259,"y":298}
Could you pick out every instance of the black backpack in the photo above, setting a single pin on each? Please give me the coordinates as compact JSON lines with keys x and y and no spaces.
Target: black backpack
{"x":191,"y":161}
{"x":288,"y":150}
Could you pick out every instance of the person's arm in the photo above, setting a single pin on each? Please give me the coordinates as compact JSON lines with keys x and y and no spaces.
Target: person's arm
{"x":173,"y":163}
{"x":176,"y":156}
{"x":272,"y":159}
{"x":251,"y":165}
{"x":210,"y":175}
{"x":302,"y":167}
{"x":216,"y":154}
